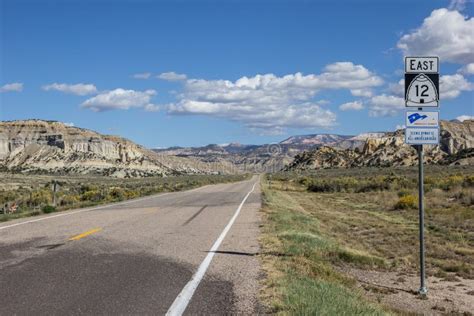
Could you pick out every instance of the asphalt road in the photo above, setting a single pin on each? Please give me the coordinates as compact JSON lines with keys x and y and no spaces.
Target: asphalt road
{"x":137,"y":257}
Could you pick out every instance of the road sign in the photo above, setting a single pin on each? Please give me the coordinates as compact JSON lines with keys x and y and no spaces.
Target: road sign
{"x":421,"y":82}
{"x":421,"y":136}
{"x":421,"y":90}
{"x":422,"y":65}
{"x":422,"y":119}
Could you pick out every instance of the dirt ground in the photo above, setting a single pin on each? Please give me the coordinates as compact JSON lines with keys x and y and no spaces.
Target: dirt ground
{"x":452,"y":295}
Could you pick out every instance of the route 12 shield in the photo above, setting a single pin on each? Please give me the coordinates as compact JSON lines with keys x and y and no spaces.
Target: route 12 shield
{"x":422,"y":91}
{"x":421,"y":82}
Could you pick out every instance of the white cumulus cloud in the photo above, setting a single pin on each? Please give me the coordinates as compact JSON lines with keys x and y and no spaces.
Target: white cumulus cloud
{"x":151,"y":108}
{"x":458,"y":5}
{"x":272,"y":102}
{"x":398,"y":88}
{"x":463,"y":118}
{"x":385,"y":105}
{"x":12,"y":87}
{"x":119,"y":99}
{"x":467,"y":69}
{"x":451,"y":86}
{"x":77,"y":89}
{"x":447,"y":34}
{"x":362,"y":93}
{"x":355,"y":106}
{"x":144,"y":75}
{"x":172,"y":76}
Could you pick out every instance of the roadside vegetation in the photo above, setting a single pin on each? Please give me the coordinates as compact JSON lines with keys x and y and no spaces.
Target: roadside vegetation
{"x":321,"y":225}
{"x":30,"y":195}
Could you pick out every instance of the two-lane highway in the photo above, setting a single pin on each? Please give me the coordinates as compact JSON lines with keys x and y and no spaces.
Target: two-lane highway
{"x":192,"y":251}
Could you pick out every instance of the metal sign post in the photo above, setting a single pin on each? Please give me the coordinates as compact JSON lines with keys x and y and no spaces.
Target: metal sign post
{"x":422,"y":127}
{"x":54,"y":188}
{"x":421,"y":207}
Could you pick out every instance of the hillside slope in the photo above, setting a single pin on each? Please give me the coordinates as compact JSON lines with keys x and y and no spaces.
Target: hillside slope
{"x":456,"y":147}
{"x":53,"y":147}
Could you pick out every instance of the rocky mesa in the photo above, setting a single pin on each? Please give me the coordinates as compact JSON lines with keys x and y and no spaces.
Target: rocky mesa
{"x":53,"y":147}
{"x":456,"y":147}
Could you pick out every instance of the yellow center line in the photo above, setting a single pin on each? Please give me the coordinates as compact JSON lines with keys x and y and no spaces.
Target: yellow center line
{"x":87,"y":233}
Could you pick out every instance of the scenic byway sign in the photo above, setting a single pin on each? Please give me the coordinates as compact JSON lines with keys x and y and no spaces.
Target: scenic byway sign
{"x":421,"y":81}
{"x":422,"y":136}
{"x":422,"y":119}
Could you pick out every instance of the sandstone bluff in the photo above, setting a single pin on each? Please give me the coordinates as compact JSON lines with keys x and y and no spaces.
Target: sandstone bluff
{"x":53,"y":147}
{"x":456,"y":147}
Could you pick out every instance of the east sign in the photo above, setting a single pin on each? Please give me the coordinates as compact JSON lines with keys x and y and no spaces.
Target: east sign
{"x":421,"y":82}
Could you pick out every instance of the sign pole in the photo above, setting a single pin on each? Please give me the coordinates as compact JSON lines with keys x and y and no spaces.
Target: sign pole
{"x":422,"y":127}
{"x":423,"y":290}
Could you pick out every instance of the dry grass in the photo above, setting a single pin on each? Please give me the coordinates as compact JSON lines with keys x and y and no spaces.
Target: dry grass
{"x":298,"y":260}
{"x":355,"y":213}
{"x":33,"y":193}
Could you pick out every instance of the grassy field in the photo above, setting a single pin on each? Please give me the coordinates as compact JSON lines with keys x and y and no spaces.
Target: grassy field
{"x":319,"y":225}
{"x":32,"y":194}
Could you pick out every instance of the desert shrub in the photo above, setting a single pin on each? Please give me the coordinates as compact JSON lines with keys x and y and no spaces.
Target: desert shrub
{"x":468,"y":181}
{"x":88,"y":187}
{"x":406,"y":202}
{"x":40,"y":197}
{"x":131,"y":194}
{"x":465,"y":197}
{"x":304,"y":181}
{"x":117,"y":194}
{"x":69,"y":200}
{"x":455,"y":180}
{"x":468,"y":200}
{"x":48,"y":209}
{"x":8,"y":196}
{"x":373,"y":185}
{"x":448,"y":183}
{"x":93,"y":196}
{"x":403,"y":193}
{"x":349,"y":184}
{"x":320,"y":186}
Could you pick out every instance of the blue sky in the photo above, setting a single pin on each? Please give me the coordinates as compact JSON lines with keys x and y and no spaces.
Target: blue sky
{"x":165,"y":73}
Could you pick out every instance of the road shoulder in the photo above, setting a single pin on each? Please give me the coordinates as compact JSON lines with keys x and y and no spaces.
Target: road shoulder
{"x":237,"y":260}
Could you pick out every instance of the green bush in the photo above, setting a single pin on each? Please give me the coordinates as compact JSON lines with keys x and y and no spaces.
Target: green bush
{"x":406,"y":202}
{"x":48,"y":209}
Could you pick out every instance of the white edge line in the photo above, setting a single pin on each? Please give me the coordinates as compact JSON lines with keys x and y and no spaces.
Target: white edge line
{"x":67,"y":213}
{"x":182,"y":300}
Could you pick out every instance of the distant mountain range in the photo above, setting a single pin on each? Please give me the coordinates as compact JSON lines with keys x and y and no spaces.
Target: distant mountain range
{"x":267,"y":157}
